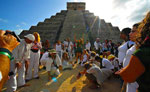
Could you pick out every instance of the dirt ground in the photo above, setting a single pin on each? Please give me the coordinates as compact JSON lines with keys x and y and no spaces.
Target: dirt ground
{"x":67,"y":82}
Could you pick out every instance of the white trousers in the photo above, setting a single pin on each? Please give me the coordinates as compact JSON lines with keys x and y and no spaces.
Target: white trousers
{"x":12,"y":83}
{"x":34,"y":64}
{"x":59,"y":54}
{"x":132,"y":87}
{"x":54,"y":71}
{"x":106,"y":73}
{"x":70,"y":55}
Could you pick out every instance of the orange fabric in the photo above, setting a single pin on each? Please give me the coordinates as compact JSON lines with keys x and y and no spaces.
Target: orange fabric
{"x":134,"y":69}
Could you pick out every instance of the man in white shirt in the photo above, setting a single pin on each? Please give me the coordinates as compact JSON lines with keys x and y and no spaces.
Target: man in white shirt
{"x":21,"y":56}
{"x":97,"y":45}
{"x":52,"y":62}
{"x":69,"y":48}
{"x":93,"y":74}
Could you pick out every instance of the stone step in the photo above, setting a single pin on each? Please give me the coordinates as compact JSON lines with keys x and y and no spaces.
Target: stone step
{"x":109,"y":24}
{"x":49,"y":24}
{"x":54,"y":19}
{"x":117,"y":29}
{"x":51,"y":20}
{"x":64,"y":12}
{"x":86,"y":11}
{"x":60,"y":16}
{"x":44,"y":28}
{"x":89,"y":14}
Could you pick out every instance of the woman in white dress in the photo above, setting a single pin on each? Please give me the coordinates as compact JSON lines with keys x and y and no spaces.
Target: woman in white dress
{"x":125,"y":45}
{"x":131,"y":87}
{"x":122,"y":49}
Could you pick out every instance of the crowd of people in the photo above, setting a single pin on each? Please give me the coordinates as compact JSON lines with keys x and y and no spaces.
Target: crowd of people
{"x":100,"y":60}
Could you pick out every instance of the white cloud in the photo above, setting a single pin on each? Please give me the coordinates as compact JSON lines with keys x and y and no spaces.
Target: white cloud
{"x":17,"y":25}
{"x":23,"y":23}
{"x":120,"y":3}
{"x":132,"y":12}
{"x":121,"y":13}
{"x":3,"y":20}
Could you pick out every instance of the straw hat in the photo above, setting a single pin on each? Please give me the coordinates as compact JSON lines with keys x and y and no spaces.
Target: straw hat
{"x":52,"y":51}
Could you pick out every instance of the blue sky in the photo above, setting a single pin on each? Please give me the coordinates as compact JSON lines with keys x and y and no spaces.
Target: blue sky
{"x":20,"y":15}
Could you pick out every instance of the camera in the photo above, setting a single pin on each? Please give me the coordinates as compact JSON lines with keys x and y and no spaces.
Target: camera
{"x":14,"y":34}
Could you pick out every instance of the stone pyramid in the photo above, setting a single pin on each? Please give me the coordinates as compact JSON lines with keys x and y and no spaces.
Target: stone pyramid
{"x":74,"y":21}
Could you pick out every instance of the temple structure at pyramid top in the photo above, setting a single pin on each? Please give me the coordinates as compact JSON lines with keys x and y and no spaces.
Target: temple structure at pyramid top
{"x":75,"y":6}
{"x":76,"y":20}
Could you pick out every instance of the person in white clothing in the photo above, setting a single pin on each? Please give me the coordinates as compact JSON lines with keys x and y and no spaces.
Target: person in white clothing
{"x":131,"y":87}
{"x":125,"y":45}
{"x":65,"y":44}
{"x":21,"y":56}
{"x":106,"y":66}
{"x":62,"y":50}
{"x":97,"y":45}
{"x":52,"y":62}
{"x":114,"y":61}
{"x":85,"y":57}
{"x":123,"y":49}
{"x":92,"y":57}
{"x":58,"y":48}
{"x":94,"y":74}
{"x":34,"y":58}
{"x":105,"y":45}
{"x":88,"y":45}
{"x":69,"y":48}
{"x":44,"y":58}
